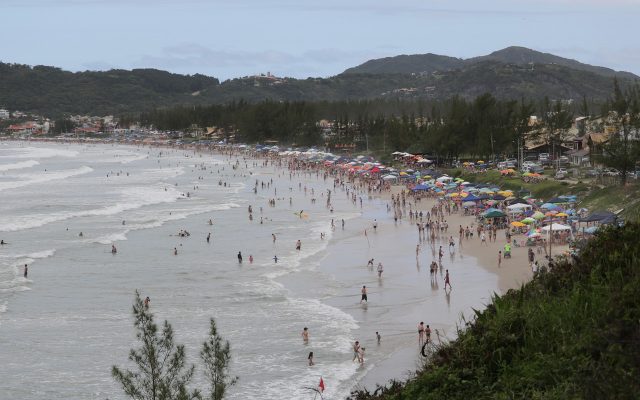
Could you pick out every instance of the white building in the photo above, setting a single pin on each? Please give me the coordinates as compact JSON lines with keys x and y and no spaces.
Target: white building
{"x":4,"y":114}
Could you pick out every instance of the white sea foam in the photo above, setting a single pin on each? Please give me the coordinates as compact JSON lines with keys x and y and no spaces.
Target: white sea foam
{"x":42,"y":177}
{"x":18,"y":165}
{"x":133,"y":198}
{"x":39,"y":152}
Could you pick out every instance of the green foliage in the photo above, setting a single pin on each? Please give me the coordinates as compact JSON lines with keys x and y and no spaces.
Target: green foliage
{"x":572,"y":332}
{"x":162,"y":372}
{"x":623,"y":149}
{"x":216,"y":355}
{"x":54,"y":92}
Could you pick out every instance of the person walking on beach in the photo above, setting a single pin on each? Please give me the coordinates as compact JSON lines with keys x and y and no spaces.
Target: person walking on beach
{"x":440,"y":255}
{"x":380,"y":269}
{"x":375,"y":225}
{"x":305,"y":335}
{"x":483,"y":238}
{"x":447,"y":281}
{"x":240,"y":257}
{"x":363,"y":291}
{"x":499,"y":258}
{"x":427,"y":334}
{"x":421,"y":333}
{"x":26,"y":270}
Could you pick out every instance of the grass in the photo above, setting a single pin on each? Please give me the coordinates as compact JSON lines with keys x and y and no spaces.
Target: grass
{"x":615,"y":198}
{"x":573,"y":332}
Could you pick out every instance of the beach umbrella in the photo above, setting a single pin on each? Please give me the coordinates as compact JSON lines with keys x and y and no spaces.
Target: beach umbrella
{"x":469,"y":204}
{"x":556,"y":227}
{"x":517,"y":224}
{"x":528,"y":220}
{"x":549,"y":206}
{"x":493,"y":213}
{"x":534,"y":235}
{"x":491,"y":202}
{"x":561,"y":214}
{"x":537,"y":215}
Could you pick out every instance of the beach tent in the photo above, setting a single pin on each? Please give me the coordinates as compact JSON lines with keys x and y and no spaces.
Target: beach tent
{"x":556,"y":227}
{"x":603,"y":217}
{"x":537,"y":215}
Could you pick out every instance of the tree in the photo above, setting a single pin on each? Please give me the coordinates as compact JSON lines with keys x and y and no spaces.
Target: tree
{"x":557,"y":120}
{"x":622,"y":149}
{"x":216,"y":355}
{"x":162,"y":373}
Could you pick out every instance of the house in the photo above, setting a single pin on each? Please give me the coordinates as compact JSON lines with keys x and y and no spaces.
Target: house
{"x":4,"y":114}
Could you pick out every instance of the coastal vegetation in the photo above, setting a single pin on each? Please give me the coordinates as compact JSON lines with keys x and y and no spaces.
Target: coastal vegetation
{"x":571,"y":332}
{"x":162,"y":371}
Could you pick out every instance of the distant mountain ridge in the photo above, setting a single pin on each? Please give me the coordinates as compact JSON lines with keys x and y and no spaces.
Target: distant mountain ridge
{"x":513,"y":73}
{"x":429,"y":63}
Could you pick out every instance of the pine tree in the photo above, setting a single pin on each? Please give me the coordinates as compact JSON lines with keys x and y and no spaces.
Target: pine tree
{"x":161,"y":372}
{"x":216,"y":355}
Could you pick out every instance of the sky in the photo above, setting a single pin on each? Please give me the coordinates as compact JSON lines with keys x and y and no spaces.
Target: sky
{"x":307,"y":38}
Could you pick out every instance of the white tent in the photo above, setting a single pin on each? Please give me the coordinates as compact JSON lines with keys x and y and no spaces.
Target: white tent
{"x":556,"y":227}
{"x":517,"y":208}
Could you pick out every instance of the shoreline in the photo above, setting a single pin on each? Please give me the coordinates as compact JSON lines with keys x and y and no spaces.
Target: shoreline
{"x":402,"y":291}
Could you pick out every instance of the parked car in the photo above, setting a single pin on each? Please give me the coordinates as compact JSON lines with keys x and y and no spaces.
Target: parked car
{"x":512,"y":163}
{"x":611,"y":172}
{"x":563,"y":160}
{"x":561,"y":173}
{"x":538,"y":169}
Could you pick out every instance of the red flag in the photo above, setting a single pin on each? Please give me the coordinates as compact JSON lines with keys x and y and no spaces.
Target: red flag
{"x":321,"y":385}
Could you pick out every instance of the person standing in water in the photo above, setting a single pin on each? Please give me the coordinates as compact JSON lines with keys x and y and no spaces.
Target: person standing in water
{"x":310,"y":358}
{"x":380,"y":269}
{"x":147,"y":300}
{"x":26,"y":270}
{"x":250,"y":259}
{"x":240,"y":257}
{"x":113,"y":249}
{"x":305,"y":335}
{"x":208,"y":237}
{"x":363,"y":291}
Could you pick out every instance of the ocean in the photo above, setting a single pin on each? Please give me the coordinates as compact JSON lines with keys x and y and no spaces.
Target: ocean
{"x":63,"y":206}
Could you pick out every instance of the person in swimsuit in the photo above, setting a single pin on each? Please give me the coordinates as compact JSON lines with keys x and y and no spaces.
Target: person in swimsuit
{"x":380,"y":269}
{"x":310,"y":358}
{"x":364,"y":294}
{"x":446,"y":281}
{"x":356,"y":351}
{"x":240,"y":257}
{"x":208,"y":237}
{"x":305,"y":335}
{"x":26,"y":270}
{"x":421,"y":332}
{"x":427,"y":334}
{"x":147,"y":300}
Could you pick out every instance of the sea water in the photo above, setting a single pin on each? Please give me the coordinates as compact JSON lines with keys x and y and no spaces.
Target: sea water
{"x":62,"y":206}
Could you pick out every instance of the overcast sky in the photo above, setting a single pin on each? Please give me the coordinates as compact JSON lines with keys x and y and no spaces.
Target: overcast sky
{"x":302,"y":38}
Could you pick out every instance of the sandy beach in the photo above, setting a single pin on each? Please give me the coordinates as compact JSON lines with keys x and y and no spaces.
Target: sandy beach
{"x":163,"y":191}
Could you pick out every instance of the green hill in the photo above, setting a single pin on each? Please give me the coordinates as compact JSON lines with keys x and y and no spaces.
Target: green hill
{"x":512,"y":73}
{"x":571,"y":333}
